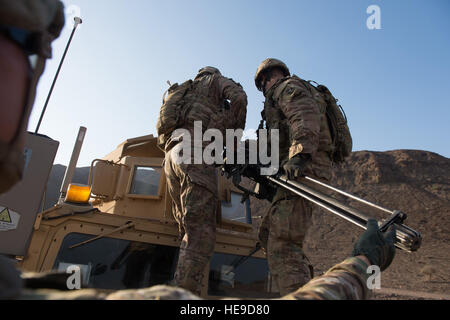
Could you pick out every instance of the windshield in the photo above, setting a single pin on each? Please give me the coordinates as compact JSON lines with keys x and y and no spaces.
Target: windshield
{"x":110,"y":263}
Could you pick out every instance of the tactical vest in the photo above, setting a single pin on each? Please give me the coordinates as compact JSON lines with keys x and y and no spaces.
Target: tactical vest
{"x":205,"y":104}
{"x":341,"y":139}
{"x":191,"y":101}
{"x":275,"y":118}
{"x":169,"y":114}
{"x":335,"y":138}
{"x":44,"y":21}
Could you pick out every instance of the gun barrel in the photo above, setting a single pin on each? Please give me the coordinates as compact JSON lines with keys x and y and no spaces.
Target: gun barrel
{"x":407,"y":239}
{"x":317,"y":197}
{"x":349,"y":195}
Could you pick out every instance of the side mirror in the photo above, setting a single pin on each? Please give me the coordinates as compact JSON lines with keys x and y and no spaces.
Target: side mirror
{"x":104,"y":181}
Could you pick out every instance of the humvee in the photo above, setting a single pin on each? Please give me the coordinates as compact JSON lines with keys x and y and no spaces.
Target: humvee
{"x":119,"y":230}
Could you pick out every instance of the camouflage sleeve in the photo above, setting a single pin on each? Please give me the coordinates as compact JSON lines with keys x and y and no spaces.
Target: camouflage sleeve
{"x":234,"y":92}
{"x":302,"y":112}
{"x":345,"y":281}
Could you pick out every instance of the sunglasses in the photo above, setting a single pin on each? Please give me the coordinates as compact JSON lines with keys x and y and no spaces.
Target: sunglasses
{"x":26,"y":40}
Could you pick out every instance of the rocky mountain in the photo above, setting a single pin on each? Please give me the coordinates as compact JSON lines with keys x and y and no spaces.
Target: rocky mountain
{"x":415,"y":182}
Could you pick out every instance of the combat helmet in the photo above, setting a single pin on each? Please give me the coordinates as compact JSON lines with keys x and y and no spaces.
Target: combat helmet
{"x":207,"y":70}
{"x":269,"y":64}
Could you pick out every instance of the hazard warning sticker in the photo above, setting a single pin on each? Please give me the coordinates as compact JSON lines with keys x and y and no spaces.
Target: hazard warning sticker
{"x":8,"y":219}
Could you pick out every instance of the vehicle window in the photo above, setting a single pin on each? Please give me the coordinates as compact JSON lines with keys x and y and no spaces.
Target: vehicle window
{"x":109,"y":263}
{"x":145,"y":181}
{"x":235,"y":210}
{"x":249,"y":279}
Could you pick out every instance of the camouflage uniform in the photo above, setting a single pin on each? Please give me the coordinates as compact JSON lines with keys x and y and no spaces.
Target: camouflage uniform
{"x":344,"y":281}
{"x":298,"y":111}
{"x":33,"y":25}
{"x":193,"y":187}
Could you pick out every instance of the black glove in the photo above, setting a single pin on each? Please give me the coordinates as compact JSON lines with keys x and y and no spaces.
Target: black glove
{"x":377,"y":247}
{"x":265,"y":191}
{"x":295,"y":166}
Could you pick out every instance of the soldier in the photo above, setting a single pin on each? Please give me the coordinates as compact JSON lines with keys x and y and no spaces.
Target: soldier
{"x":305,"y":144}
{"x":193,"y":187}
{"x":27,"y":27}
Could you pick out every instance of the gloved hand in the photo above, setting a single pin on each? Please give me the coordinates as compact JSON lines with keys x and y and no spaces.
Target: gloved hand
{"x":295,"y":166}
{"x":265,"y":191}
{"x":377,"y":247}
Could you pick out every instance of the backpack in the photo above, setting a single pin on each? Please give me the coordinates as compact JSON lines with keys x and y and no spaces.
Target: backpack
{"x":341,"y":139}
{"x":170,"y":113}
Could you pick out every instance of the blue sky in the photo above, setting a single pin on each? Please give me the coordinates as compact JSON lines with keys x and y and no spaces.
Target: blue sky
{"x":393,"y":83}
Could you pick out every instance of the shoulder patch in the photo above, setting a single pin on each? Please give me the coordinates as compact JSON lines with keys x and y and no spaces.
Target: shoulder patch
{"x":279,"y":90}
{"x":291,"y":89}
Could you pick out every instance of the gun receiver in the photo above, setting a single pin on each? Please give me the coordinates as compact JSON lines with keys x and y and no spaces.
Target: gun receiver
{"x":407,"y":239}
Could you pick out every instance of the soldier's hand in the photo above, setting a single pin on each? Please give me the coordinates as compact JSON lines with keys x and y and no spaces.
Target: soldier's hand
{"x":295,"y":166}
{"x":377,"y":247}
{"x":265,"y":191}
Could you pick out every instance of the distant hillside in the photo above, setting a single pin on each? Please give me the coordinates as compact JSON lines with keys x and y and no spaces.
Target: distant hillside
{"x":416,"y":182}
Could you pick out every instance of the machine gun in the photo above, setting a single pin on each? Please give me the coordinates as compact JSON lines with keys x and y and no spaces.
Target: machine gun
{"x":407,"y":239}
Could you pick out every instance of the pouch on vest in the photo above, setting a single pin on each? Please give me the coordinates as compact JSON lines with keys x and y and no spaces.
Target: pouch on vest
{"x":171,"y":110}
{"x":337,"y":122}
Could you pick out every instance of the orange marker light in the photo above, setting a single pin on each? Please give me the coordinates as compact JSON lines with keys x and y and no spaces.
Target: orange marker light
{"x":78,"y":193}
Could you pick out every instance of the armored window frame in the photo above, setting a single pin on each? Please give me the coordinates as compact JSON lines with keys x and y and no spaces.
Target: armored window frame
{"x":134,"y":163}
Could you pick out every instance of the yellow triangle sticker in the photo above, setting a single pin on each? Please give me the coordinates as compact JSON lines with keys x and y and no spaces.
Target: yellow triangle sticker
{"x":5,"y":216}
